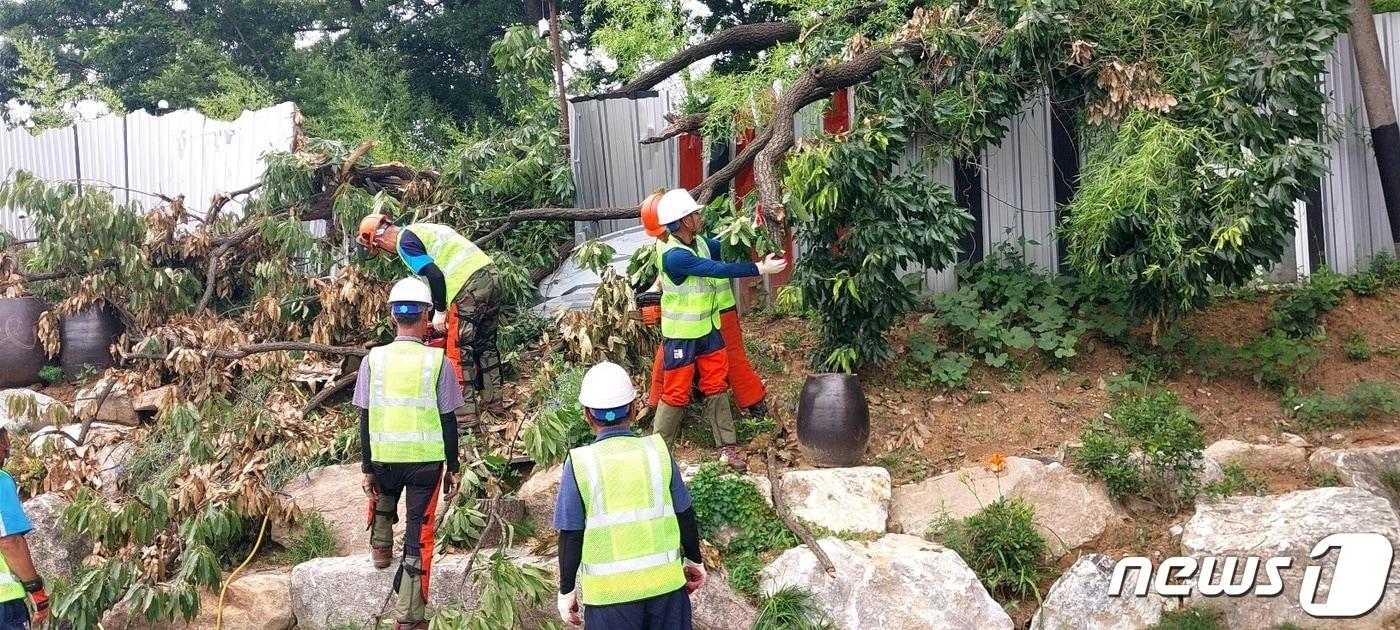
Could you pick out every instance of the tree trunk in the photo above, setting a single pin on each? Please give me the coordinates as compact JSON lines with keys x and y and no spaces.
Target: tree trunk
{"x":559,"y":76}
{"x":1380,"y":109}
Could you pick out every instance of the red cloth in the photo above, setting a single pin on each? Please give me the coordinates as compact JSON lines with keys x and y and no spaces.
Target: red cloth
{"x":711,"y":369}
{"x":425,"y":538}
{"x":454,"y":351}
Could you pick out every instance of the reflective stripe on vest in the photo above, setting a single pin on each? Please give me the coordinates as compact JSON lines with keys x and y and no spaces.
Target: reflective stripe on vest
{"x":10,"y":587}
{"x":689,"y":310}
{"x":404,"y":423}
{"x":457,"y":257}
{"x":631,"y":541}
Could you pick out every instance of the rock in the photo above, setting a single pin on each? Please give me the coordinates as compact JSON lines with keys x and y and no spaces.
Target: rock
{"x":114,"y":407}
{"x":1079,"y":600}
{"x":898,"y":582}
{"x":1177,"y":530}
{"x":1070,"y":511}
{"x":765,"y":488}
{"x":1257,"y":456}
{"x":334,"y":493}
{"x":256,"y":601}
{"x":717,"y":607}
{"x":156,"y":400}
{"x":55,"y":552}
{"x":1289,"y":525}
{"x":1296,"y":440}
{"x":334,"y":592}
{"x":845,"y":500}
{"x":106,"y":443}
{"x":35,"y":410}
{"x":1208,"y":471}
{"x":539,"y":493}
{"x":1361,"y":468}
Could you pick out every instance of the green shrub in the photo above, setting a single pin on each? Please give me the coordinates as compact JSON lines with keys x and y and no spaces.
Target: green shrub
{"x":1361,"y":402}
{"x":1385,"y":6}
{"x":1385,"y":266}
{"x":1276,"y":360}
{"x":1236,"y":481}
{"x":1322,"y":479}
{"x":1365,"y":283}
{"x":1001,"y":545}
{"x":315,"y":541}
{"x":1356,"y":348}
{"x":1391,"y":480}
{"x":1299,"y":314}
{"x":791,"y":609}
{"x":51,"y":374}
{"x":1148,"y":445}
{"x":722,"y":498}
{"x":750,"y":428}
{"x":1191,"y":619}
{"x":558,"y":425}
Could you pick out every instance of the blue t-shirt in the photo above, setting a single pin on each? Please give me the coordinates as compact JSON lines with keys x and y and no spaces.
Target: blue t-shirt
{"x":12,"y":518}
{"x":413,"y":253}
{"x":568,"y":509}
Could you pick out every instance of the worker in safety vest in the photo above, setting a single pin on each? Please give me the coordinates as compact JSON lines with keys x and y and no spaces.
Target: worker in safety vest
{"x":460,"y":273}
{"x":693,"y":290}
{"x":408,"y":434}
{"x":627,"y":532}
{"x":18,"y":578}
{"x":744,"y":382}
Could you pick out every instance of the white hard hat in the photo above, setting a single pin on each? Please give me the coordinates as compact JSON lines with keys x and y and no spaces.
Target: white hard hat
{"x":606,"y":386}
{"x":410,"y":290}
{"x":675,"y":205}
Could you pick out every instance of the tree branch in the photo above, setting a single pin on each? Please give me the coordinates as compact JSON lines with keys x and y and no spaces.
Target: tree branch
{"x":56,"y":275}
{"x":793,"y":525}
{"x":211,"y":275}
{"x":272,"y":346}
{"x":680,"y":123}
{"x":814,"y":84}
{"x":327,"y":392}
{"x":751,"y":37}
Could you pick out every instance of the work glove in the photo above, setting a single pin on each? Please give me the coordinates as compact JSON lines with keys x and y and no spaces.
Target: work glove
{"x":440,"y":321}
{"x":569,"y":610}
{"x":694,"y":576}
{"x":770,"y":265}
{"x":450,"y":483}
{"x":40,"y":597}
{"x":369,"y":486}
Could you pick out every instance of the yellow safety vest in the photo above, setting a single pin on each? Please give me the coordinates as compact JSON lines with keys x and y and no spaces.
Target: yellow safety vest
{"x":689,"y":310}
{"x":404,"y":423}
{"x":631,"y":541}
{"x":725,"y":299}
{"x":457,"y":257}
{"x":10,"y":587}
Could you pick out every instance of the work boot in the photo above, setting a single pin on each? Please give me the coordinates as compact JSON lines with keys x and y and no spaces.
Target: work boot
{"x":382,"y":556}
{"x":497,"y":409}
{"x":729,"y":454}
{"x":758,"y":409}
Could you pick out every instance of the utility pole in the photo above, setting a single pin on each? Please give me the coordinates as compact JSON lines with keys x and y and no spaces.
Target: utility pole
{"x":559,"y":76}
{"x":1380,"y":109}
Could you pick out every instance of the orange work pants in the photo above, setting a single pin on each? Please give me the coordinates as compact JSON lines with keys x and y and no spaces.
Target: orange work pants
{"x":745,"y":383}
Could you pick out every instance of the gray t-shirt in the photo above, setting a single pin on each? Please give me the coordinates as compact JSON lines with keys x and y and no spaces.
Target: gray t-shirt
{"x":449,"y":393}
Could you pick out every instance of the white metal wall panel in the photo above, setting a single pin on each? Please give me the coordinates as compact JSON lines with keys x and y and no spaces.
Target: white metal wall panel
{"x":1018,"y":196}
{"x":611,"y":166}
{"x":179,"y":153}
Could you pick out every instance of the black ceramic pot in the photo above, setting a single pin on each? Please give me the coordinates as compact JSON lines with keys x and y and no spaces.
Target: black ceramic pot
{"x":87,"y":340}
{"x":833,"y":420}
{"x":21,"y":354}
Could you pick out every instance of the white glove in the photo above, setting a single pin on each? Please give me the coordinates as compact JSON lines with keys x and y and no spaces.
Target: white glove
{"x":569,"y":609}
{"x":440,"y":321}
{"x":695,"y":576}
{"x":771,"y":265}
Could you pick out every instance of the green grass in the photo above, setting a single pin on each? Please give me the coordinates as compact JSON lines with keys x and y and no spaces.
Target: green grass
{"x":1356,"y":348}
{"x":1391,"y":480}
{"x":1001,"y":545}
{"x":762,"y":358}
{"x":1191,"y":619}
{"x":315,"y":541}
{"x":51,"y":374}
{"x":792,"y":609}
{"x":1323,"y":479}
{"x":1385,"y":6}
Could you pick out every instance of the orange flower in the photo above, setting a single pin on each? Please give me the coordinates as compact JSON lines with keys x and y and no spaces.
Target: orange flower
{"x":995,"y":463}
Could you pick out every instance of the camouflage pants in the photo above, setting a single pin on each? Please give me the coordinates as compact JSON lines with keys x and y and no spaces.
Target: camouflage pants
{"x":478,"y":310}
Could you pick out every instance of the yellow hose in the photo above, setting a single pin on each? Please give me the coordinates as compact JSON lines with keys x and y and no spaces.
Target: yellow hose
{"x":219,"y":613}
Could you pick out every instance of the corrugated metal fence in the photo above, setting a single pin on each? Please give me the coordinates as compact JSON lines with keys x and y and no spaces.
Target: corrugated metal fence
{"x":1015,"y":199}
{"x":139,"y":155}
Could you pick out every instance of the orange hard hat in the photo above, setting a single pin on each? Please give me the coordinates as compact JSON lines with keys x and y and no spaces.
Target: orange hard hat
{"x":649,"y":220}
{"x":369,"y":230}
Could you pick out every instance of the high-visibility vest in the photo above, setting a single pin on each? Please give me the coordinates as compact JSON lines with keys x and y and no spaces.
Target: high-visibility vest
{"x":404,"y":423}
{"x":10,"y":587}
{"x":725,"y":299}
{"x":689,"y":310}
{"x":631,"y":541}
{"x":457,"y":257}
